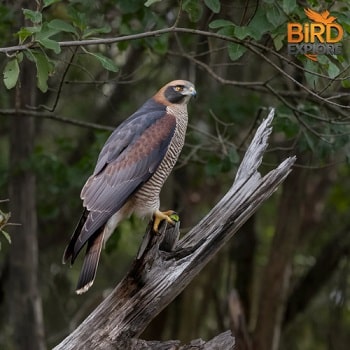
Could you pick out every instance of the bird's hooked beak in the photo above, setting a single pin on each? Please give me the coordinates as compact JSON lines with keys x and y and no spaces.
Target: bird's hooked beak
{"x":191,"y":91}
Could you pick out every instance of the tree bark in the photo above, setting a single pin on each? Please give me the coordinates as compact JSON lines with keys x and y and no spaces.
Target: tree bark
{"x":276,"y":277}
{"x":222,"y":341}
{"x":157,"y":277}
{"x":26,"y":316}
{"x":242,"y":253}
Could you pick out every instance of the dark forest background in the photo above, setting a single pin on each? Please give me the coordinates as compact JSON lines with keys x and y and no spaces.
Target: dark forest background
{"x":283,"y":281}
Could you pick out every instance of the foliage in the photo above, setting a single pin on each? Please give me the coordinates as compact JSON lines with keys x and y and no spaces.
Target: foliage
{"x":42,"y":36}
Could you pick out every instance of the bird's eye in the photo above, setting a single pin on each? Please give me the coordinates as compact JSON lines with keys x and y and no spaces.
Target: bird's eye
{"x":178,"y":88}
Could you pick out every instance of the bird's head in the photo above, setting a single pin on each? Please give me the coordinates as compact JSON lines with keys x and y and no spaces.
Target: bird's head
{"x":177,"y":92}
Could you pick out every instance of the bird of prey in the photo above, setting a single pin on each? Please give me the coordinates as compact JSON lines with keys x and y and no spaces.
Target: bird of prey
{"x":130,"y":172}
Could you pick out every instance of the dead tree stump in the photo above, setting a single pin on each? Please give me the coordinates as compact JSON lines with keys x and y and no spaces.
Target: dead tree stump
{"x":156,"y":276}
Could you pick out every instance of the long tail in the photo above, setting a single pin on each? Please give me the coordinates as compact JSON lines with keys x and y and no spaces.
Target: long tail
{"x":92,"y":257}
{"x":69,"y":252}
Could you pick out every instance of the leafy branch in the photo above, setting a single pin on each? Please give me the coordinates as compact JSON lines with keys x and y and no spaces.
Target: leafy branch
{"x":256,"y":48}
{"x":315,"y":88}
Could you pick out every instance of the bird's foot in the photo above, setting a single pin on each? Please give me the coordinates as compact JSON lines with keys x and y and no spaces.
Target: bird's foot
{"x":159,"y":216}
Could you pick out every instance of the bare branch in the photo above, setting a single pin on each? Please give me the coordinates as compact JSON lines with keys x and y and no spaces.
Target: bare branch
{"x":48,"y":115}
{"x":60,"y":85}
{"x":296,"y":82}
{"x":265,"y":87}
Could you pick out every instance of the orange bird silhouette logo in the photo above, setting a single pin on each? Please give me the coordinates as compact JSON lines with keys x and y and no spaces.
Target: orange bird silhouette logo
{"x":322,"y":17}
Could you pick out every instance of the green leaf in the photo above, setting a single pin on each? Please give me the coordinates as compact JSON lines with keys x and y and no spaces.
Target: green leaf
{"x":227,"y":31}
{"x":44,"y":68}
{"x":26,"y":32}
{"x":235,"y":51}
{"x":4,"y":217}
{"x":194,"y":9}
{"x":311,"y":78}
{"x":284,"y":123}
{"x":11,"y":73}
{"x":275,"y":16}
{"x":23,"y":34}
{"x":333,"y":70}
{"x":259,"y":24}
{"x":19,"y":57}
{"x":278,"y":41}
{"x":49,"y":2}
{"x":346,"y":83}
{"x":289,"y":6}
{"x":213,"y":5}
{"x":242,"y":32}
{"x":148,"y":3}
{"x":159,"y":44}
{"x":219,"y":23}
{"x":106,"y":62}
{"x":213,"y":166}
{"x":61,"y":26}
{"x":323,"y":60}
{"x":50,"y":44}
{"x":43,"y":37}
{"x":34,"y":16}
{"x":79,"y":19}
{"x":7,"y":236}
{"x":94,"y":31}
{"x":129,"y":6}
{"x":46,"y":32}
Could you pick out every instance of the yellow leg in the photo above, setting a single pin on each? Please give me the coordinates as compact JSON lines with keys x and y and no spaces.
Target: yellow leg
{"x":159,"y":216}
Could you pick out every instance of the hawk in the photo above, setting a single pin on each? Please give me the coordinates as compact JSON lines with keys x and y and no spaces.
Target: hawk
{"x":130,"y":171}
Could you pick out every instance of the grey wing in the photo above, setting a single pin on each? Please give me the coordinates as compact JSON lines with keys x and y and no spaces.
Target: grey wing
{"x":118,"y":178}
{"x":128,"y":132}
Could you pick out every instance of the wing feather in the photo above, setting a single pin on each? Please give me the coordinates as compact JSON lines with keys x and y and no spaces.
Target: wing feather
{"x":129,"y":158}
{"x":129,"y":131}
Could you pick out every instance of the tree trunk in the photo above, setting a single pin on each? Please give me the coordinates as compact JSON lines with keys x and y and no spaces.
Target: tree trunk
{"x":277,"y":272}
{"x":317,"y":276}
{"x":157,"y":277}
{"x":26,"y":317}
{"x":243,"y":253}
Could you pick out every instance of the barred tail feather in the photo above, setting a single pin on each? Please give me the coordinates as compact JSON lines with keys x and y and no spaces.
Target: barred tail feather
{"x":92,"y":257}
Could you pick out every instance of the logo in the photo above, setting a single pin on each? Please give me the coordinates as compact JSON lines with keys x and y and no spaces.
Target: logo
{"x":321,"y":36}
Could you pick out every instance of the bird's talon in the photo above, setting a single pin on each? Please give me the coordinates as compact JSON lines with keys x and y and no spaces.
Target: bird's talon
{"x":159,"y":216}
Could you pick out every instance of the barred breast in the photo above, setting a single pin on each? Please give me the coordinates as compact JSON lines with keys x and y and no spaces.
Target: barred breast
{"x":147,"y":198}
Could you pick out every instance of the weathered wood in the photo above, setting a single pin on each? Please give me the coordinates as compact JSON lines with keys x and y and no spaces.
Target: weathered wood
{"x":222,"y":341}
{"x":157,"y":277}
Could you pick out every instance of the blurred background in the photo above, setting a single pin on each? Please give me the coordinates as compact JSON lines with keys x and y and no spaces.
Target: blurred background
{"x":283,"y":281}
